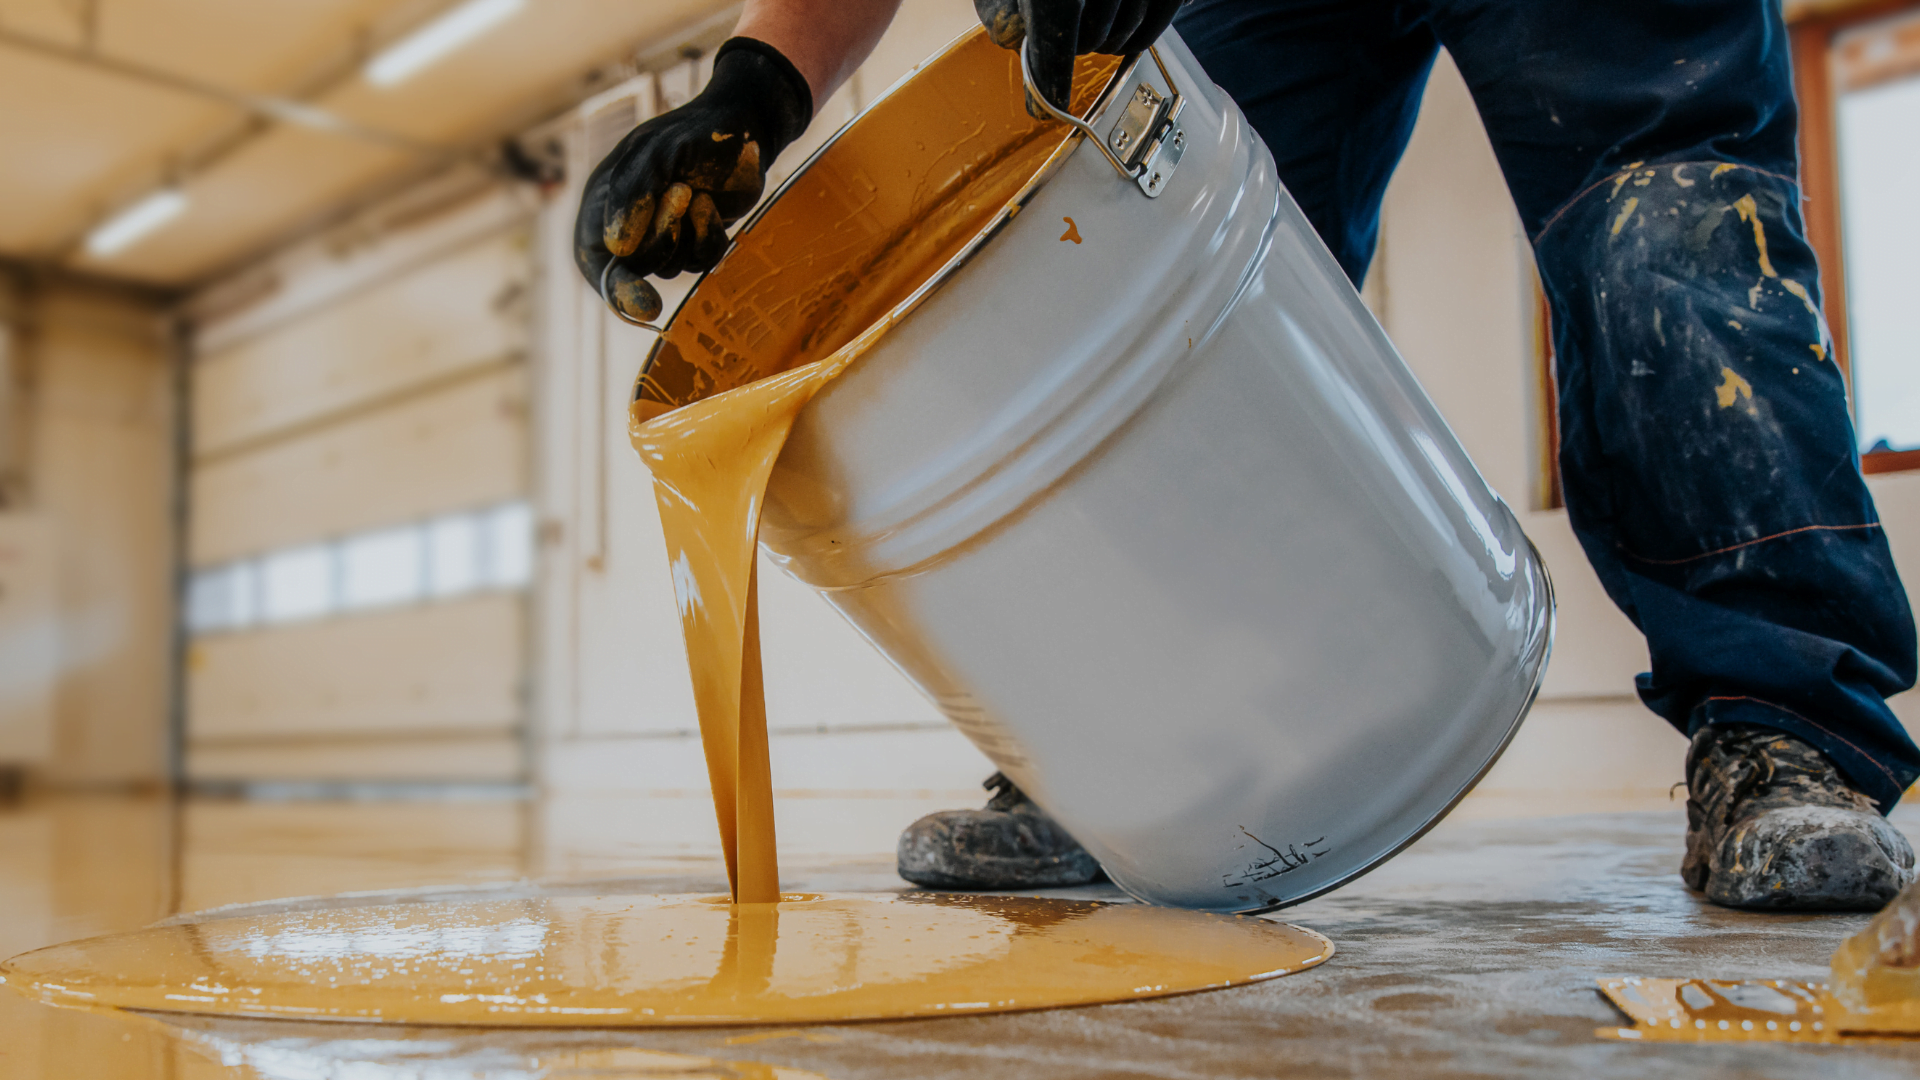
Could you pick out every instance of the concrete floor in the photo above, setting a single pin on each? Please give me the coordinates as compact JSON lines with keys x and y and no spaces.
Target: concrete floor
{"x":1472,"y":954}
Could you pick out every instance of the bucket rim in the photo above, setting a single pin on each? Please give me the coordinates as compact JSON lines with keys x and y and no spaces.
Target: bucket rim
{"x":1049,"y":168}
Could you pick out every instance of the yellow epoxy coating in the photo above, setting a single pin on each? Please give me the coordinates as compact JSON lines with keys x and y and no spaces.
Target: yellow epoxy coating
{"x":624,"y":961}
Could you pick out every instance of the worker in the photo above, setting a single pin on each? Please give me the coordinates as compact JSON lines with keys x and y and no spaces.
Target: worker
{"x":1706,"y":450}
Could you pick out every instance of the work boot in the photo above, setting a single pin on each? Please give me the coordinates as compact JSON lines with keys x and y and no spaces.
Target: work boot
{"x":1771,"y":825}
{"x":1012,"y":844}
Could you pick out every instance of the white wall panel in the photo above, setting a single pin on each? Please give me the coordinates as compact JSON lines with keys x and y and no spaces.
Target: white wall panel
{"x":415,"y":670}
{"x":1590,"y":745}
{"x":465,"y":309}
{"x":461,"y":446}
{"x":29,"y":637}
{"x":1898,"y":498}
{"x":478,"y":759}
{"x":101,"y":467}
{"x":232,"y":851}
{"x":367,"y":379}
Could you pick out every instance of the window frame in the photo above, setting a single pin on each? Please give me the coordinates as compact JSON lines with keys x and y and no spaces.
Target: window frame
{"x":1811,"y":30}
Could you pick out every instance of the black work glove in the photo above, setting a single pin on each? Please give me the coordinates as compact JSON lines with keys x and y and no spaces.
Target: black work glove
{"x":661,"y":202}
{"x":1064,"y":29}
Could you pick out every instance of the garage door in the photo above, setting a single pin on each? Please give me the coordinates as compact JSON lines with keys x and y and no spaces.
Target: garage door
{"x":360,"y":543}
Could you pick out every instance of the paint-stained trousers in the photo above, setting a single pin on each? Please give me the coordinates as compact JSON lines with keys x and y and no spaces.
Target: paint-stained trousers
{"x":1707,"y":453}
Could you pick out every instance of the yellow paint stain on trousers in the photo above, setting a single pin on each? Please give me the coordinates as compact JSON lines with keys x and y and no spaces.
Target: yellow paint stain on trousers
{"x":1732,"y":387}
{"x":1626,"y":211}
{"x":1749,"y":212}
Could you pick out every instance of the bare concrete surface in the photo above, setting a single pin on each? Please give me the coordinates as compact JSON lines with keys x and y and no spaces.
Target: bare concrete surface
{"x":1473,"y":954}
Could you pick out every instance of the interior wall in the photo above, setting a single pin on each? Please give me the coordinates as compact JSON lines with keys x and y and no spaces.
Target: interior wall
{"x":369,"y":383}
{"x":94,"y":427}
{"x":1897,"y":495}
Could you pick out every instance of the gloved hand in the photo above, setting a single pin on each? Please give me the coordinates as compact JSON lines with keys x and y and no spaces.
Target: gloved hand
{"x":661,"y":202}
{"x":1063,"y":29}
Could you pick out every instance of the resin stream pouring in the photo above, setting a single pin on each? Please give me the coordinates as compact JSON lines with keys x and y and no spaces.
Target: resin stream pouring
{"x":666,"y":961}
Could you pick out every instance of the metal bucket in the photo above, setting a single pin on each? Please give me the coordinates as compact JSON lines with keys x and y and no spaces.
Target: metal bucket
{"x":1133,"y":487}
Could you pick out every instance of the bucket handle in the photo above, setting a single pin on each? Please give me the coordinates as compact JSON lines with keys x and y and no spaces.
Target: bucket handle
{"x":1161,"y":125}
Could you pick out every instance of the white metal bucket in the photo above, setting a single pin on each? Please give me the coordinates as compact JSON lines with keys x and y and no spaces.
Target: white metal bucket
{"x":1164,"y":525}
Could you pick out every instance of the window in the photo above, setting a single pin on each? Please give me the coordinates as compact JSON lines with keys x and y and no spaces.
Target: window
{"x":451,"y":556}
{"x":509,"y":546}
{"x":1857,"y":73}
{"x":297,"y":584}
{"x":381,"y":568}
{"x":1879,"y":163}
{"x":223,"y":598}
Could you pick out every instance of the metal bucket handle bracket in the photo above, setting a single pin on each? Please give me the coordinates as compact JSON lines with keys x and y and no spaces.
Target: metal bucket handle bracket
{"x":1146,"y":143}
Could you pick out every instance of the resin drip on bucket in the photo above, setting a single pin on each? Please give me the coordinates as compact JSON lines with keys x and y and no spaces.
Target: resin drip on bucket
{"x":715,"y":406}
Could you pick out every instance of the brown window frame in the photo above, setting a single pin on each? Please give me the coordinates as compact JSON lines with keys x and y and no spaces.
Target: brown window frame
{"x":1547,"y":494}
{"x":1812,"y":26}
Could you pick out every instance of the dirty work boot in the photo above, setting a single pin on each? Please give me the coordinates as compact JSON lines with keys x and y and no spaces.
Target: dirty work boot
{"x":1772,"y":825}
{"x":1012,"y":844}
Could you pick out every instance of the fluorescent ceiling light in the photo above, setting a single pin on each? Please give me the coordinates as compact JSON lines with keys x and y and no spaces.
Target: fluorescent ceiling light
{"x":438,"y":38}
{"x":123,"y":229}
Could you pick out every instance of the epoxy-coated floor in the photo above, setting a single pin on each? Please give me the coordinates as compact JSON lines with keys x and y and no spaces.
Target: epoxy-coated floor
{"x":1472,"y":954}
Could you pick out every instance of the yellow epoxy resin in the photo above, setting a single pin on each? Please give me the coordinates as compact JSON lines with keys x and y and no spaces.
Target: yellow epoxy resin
{"x":633,"y":961}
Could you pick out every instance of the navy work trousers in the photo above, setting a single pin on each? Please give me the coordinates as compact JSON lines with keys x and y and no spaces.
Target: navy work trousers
{"x":1706,"y":452}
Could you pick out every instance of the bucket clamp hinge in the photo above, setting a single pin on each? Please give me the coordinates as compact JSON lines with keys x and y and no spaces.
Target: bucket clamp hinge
{"x":1148,"y":137}
{"x":1147,"y":142}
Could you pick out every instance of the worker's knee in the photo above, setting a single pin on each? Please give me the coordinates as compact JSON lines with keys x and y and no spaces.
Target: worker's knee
{"x":1690,"y":344}
{"x":1686,"y":271}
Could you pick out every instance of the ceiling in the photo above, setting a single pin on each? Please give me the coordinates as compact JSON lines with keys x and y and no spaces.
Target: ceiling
{"x":81,"y":136}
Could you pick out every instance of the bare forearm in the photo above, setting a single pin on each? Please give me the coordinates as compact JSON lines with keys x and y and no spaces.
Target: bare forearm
{"x":825,"y":39}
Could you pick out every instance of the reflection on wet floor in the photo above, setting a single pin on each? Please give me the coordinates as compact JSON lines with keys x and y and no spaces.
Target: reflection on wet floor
{"x":79,"y":866}
{"x":532,"y":956}
{"x":271,"y":1050}
{"x":1475,"y":953}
